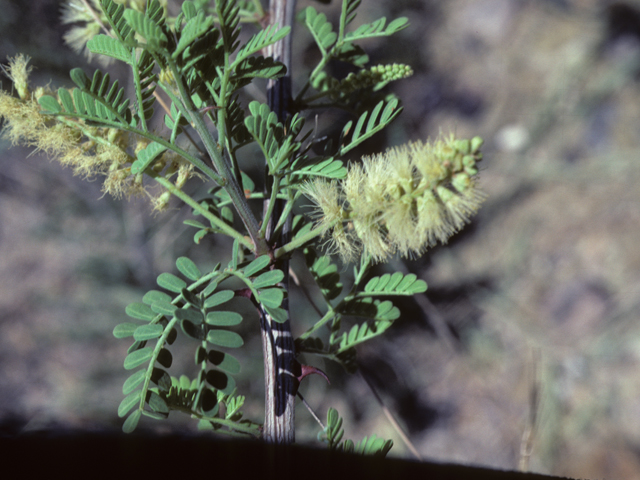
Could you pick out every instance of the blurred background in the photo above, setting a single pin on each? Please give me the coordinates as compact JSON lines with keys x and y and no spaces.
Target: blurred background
{"x":525,"y":350}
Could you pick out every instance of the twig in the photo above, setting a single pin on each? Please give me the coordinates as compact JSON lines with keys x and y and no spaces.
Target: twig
{"x":313,"y":414}
{"x":390,"y":417}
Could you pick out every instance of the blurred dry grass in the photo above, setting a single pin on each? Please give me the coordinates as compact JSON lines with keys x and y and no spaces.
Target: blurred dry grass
{"x":547,"y":276}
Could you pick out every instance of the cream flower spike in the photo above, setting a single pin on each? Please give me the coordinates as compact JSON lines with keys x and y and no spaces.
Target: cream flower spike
{"x":404,"y":200}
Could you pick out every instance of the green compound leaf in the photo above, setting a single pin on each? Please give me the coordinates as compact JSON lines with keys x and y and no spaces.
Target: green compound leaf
{"x":329,"y":168}
{"x":171,"y":282}
{"x":377,"y":29}
{"x":146,"y":28}
{"x":267,"y":279}
{"x":375,"y":120}
{"x":140,"y":311}
{"x":325,"y":273}
{"x":271,"y":297}
{"x":224,"y":361}
{"x":109,"y":46}
{"x":188,"y":268}
{"x":128,"y":403}
{"x":146,"y":156}
{"x":260,"y":40}
{"x":133,"y":381}
{"x":224,"y":338}
{"x":113,"y":12}
{"x":361,"y":333}
{"x":333,"y":431}
{"x":372,"y":446}
{"x":369,"y":308}
{"x":259,"y":67}
{"x":95,"y":100}
{"x":396,"y":284}
{"x":148,"y":332}
{"x":320,"y":28}
{"x":333,"y":434}
{"x":256,"y":265}
{"x":223,"y":319}
{"x":219,"y":298}
{"x":125,"y":330}
{"x":194,"y":28}
{"x":348,"y":12}
{"x":137,"y":358}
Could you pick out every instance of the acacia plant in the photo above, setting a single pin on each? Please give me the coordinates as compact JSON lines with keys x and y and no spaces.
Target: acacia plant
{"x":184,"y":118}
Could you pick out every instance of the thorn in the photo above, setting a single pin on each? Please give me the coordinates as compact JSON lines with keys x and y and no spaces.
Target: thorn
{"x":309,"y":370}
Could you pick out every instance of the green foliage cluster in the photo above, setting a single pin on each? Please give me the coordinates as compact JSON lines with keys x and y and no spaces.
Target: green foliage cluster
{"x":192,"y":67}
{"x":334,"y":432}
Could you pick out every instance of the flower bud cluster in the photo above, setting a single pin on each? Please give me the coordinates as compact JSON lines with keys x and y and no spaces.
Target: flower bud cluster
{"x":404,"y":200}
{"x":376,"y":76}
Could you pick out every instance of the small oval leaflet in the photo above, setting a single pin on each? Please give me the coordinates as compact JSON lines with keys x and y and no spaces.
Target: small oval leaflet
{"x":221,"y":381}
{"x":223,"y":319}
{"x":192,"y":330}
{"x":157,"y":403}
{"x":279,"y":315}
{"x":154,"y":296}
{"x":191,"y":314}
{"x":224,"y":338}
{"x":188,"y":268}
{"x":386,"y":310}
{"x":257,"y":265}
{"x":164,"y":308}
{"x":125,"y":330}
{"x":140,"y":311}
{"x":271,"y":297}
{"x":165,"y":358}
{"x":224,"y":361}
{"x":138,"y":358}
{"x":133,"y":381}
{"x":128,"y":403}
{"x":171,"y":282}
{"x":50,"y":104}
{"x":148,"y":332}
{"x":219,"y":298}
{"x":267,"y":279}
{"x":131,"y":422}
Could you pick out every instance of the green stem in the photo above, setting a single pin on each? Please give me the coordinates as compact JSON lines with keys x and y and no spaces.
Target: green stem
{"x":231,"y":185}
{"x":270,"y":207}
{"x":327,"y":316}
{"x":299,"y":240}
{"x":217,"y":222}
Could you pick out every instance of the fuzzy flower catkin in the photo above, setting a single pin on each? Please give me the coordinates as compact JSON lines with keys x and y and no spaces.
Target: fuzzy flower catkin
{"x":89,"y":150}
{"x":404,"y":200}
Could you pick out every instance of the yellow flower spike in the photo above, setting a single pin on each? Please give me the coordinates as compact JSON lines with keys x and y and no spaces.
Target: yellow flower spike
{"x":404,"y":200}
